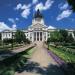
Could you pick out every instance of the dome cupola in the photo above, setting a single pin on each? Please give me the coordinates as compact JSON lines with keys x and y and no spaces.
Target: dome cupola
{"x":38,"y":14}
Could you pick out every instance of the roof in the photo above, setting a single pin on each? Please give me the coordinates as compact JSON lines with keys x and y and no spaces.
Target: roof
{"x":38,"y":14}
{"x":51,"y":27}
{"x":3,"y":27}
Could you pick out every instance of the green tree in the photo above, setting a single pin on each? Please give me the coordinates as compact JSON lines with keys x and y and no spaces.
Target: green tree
{"x":20,"y":36}
{"x":8,"y":41}
{"x":0,"y":36}
{"x":64,"y":34}
{"x":48,"y":40}
{"x":74,"y":33}
{"x":0,"y":40}
{"x":72,"y":4}
{"x":70,"y":39}
{"x":27,"y":41}
{"x":55,"y":36}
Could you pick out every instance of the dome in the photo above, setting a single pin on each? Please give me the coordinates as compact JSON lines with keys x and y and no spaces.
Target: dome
{"x":38,"y":14}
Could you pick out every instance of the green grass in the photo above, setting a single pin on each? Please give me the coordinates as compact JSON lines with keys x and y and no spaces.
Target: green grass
{"x":67,"y":57}
{"x":73,"y":47}
{"x":9,"y":47}
{"x":7,"y":71}
{"x":10,"y":65}
{"x":29,"y":53}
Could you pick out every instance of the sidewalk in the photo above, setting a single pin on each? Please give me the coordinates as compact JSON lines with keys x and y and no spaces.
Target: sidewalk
{"x":40,"y":63}
{"x":22,"y":48}
{"x":12,"y":52}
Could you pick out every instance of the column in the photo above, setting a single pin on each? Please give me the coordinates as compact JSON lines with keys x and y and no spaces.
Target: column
{"x":47,"y":35}
{"x":39,"y":36}
{"x":36,"y":36}
{"x":32,"y":36}
{"x":42,"y":36}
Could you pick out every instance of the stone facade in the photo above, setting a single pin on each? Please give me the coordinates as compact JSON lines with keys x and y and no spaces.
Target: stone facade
{"x":38,"y":31}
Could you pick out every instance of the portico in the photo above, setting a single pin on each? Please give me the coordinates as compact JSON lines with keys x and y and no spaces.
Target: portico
{"x":38,"y":30}
{"x":38,"y":36}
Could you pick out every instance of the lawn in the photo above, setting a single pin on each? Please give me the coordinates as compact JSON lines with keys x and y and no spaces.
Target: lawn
{"x":10,"y":65}
{"x":67,"y":57}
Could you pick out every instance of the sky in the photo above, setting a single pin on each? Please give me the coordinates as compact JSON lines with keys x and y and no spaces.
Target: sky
{"x":18,"y":14}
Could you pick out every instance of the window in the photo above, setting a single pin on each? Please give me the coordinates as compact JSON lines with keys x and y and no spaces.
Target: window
{"x":45,"y":37}
{"x":6,"y":35}
{"x":30,"y":38}
{"x":27,"y":34}
{"x":9,"y":34}
{"x":38,"y":19}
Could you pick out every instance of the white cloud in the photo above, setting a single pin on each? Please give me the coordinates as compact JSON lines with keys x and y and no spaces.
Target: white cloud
{"x":65,"y":11}
{"x":26,"y":6}
{"x":25,"y":13}
{"x":35,"y":1}
{"x":47,"y":5}
{"x":4,"y":26}
{"x":65,"y":6}
{"x":39,"y":6}
{"x":64,"y":14}
{"x":14,"y":26}
{"x":18,"y":6}
{"x":25,"y":10}
{"x":17,"y":19}
{"x":11,"y":20}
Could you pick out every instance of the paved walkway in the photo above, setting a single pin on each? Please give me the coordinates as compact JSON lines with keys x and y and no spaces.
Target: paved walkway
{"x":17,"y":50}
{"x":40,"y":63}
{"x":22,"y":48}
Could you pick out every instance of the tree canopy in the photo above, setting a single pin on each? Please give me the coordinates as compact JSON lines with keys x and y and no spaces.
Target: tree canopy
{"x":72,"y":4}
{"x":64,"y":34}
{"x":70,"y":38}
{"x":20,"y":36}
{"x":56,"y":36}
{"x":74,"y":33}
{"x":0,"y":36}
{"x":60,"y":36}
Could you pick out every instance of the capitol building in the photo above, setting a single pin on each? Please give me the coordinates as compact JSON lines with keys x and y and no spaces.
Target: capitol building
{"x":38,"y":31}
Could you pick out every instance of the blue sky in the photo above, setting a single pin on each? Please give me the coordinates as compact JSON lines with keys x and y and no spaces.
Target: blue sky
{"x":19,"y":13}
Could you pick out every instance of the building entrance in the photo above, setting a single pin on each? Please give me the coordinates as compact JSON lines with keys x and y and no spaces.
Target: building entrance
{"x":37,"y":36}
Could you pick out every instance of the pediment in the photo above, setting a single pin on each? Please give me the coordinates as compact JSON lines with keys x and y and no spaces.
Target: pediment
{"x":38,"y":26}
